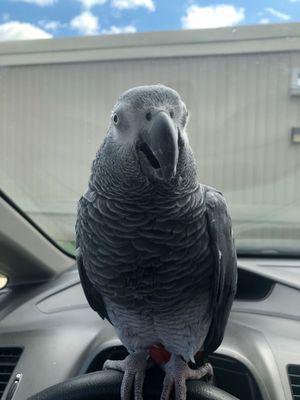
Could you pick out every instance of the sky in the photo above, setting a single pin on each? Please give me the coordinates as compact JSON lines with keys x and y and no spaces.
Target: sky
{"x":42,"y":19}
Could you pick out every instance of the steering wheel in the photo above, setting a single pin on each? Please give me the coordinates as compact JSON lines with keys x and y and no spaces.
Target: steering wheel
{"x":105,"y":385}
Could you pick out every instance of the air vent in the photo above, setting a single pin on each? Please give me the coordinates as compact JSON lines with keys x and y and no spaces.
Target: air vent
{"x":230,"y":374}
{"x":9,"y":357}
{"x":294,"y":377}
{"x":252,"y":286}
{"x":234,"y":377}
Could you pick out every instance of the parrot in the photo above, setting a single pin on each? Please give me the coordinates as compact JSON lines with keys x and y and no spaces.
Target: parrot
{"x":155,"y":248}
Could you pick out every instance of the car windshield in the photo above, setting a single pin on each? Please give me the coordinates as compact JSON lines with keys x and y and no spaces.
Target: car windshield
{"x":236,"y":66}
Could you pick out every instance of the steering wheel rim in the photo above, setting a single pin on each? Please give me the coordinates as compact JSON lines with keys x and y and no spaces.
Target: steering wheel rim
{"x":105,"y":385}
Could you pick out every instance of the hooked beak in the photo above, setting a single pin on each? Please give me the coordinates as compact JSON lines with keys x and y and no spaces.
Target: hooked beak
{"x":158,"y":148}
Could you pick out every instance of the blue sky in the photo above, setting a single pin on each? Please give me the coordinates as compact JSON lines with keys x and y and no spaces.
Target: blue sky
{"x":38,"y":19}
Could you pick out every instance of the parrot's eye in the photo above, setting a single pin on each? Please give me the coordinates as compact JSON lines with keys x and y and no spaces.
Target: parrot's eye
{"x":148,"y":116}
{"x":115,"y":119}
{"x":172,"y":114}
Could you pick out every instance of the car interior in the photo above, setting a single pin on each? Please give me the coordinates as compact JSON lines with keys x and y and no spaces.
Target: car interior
{"x":49,"y":333}
{"x":52,"y":344}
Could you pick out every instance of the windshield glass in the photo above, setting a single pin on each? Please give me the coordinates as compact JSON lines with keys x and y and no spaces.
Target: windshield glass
{"x":237,"y":67}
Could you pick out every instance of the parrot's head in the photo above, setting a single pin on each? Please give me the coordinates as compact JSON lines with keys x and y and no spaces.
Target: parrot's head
{"x":148,"y":128}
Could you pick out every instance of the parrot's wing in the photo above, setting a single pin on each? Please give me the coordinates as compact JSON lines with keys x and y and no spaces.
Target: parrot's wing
{"x":225,"y":272}
{"x":93,"y":295}
{"x":94,"y":298}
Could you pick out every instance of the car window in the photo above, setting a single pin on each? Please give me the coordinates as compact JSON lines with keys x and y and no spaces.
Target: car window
{"x":237,"y":67}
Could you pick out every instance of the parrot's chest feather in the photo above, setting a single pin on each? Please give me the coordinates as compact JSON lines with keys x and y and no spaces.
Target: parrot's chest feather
{"x":151,"y":251}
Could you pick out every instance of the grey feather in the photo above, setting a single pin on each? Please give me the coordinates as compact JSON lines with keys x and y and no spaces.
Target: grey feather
{"x":225,"y":272}
{"x":94,"y":298}
{"x":150,"y":249}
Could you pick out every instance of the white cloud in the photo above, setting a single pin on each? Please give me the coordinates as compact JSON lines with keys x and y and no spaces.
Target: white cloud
{"x":5,"y":17}
{"x":131,"y":4}
{"x":278,"y":14}
{"x":40,"y":3}
{"x":212,"y":16}
{"x":86,"y":23}
{"x":88,"y":4}
{"x":120,"y":29}
{"x":15,"y":30}
{"x":51,"y":25}
{"x":264,"y":21}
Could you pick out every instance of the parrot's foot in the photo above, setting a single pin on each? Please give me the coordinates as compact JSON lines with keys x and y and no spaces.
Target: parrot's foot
{"x":134,"y":367}
{"x":177,"y":372}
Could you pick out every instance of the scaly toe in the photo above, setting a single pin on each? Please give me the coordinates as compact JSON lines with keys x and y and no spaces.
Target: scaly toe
{"x":205,"y":370}
{"x":134,"y":367}
{"x":177,"y":372}
{"x":167,"y":387}
{"x":116,"y":365}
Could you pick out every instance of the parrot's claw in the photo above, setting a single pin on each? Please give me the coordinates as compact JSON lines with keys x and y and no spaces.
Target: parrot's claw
{"x":177,"y":372}
{"x":134,"y":367}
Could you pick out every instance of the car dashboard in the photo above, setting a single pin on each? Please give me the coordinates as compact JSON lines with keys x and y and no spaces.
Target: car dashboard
{"x":48,"y":333}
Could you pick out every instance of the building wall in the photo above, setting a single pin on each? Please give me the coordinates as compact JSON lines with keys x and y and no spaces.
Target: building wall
{"x":53,"y":118}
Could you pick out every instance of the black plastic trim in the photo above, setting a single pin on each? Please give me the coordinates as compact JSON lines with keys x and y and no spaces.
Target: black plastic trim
{"x":8,"y":200}
{"x":253,"y":287}
{"x":293,"y":371}
{"x":9,"y":358}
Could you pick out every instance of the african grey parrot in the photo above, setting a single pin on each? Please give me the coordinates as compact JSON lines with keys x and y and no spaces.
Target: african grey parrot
{"x":155,"y":253}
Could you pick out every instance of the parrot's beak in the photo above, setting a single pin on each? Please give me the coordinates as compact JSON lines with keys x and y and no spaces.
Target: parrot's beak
{"x":158,"y":148}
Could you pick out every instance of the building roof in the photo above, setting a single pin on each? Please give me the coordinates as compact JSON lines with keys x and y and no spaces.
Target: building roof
{"x":183,"y":43}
